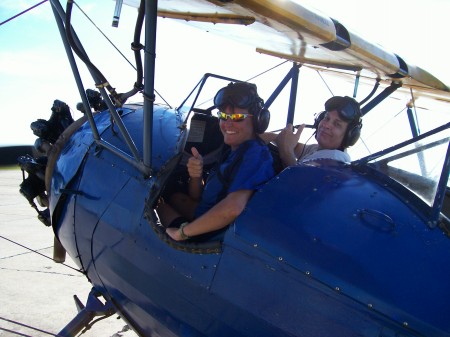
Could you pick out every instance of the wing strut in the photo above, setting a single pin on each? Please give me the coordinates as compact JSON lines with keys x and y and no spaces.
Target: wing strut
{"x":380,"y":97}
{"x":291,"y":75}
{"x":151,"y":15}
{"x":117,"y":10}
{"x":415,"y":133}
{"x":73,"y":44}
{"x":442,"y":189}
{"x":58,"y":12}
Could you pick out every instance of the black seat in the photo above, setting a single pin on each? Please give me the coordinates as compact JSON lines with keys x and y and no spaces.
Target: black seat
{"x":206,"y":137}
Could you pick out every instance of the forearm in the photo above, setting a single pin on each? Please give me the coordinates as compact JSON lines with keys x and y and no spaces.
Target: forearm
{"x":219,"y":216}
{"x":216,"y":218}
{"x":268,"y":137}
{"x":288,"y":158}
{"x":195,"y":188}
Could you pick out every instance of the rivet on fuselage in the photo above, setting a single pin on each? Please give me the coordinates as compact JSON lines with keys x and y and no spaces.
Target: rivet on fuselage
{"x":370,"y":305}
{"x":337,"y":289}
{"x":280,"y":258}
{"x":405,"y":323}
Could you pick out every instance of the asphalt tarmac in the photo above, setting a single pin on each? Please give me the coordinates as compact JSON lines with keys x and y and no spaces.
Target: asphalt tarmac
{"x":36,"y":294}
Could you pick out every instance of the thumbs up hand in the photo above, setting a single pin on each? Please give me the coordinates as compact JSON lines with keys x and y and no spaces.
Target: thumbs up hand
{"x":195,"y":164}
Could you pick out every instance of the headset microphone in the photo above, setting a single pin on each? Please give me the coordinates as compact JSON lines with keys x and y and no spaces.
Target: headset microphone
{"x":307,"y":126}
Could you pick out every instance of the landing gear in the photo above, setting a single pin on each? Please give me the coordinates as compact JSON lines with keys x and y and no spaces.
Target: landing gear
{"x":86,"y":314}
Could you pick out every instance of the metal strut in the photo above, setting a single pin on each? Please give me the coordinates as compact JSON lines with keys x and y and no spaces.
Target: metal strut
{"x":151,"y":16}
{"x":94,"y":308}
{"x":291,"y":75}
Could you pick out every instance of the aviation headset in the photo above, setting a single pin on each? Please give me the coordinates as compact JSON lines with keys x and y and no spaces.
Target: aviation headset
{"x":245,"y":96}
{"x":349,"y":110}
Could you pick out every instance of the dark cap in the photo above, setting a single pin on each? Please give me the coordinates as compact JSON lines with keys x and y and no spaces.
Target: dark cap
{"x":239,"y":94}
{"x":347,"y":107}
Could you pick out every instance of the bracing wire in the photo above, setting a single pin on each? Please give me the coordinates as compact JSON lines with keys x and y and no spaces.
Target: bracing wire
{"x":325,"y":82}
{"x":106,"y":37}
{"x":25,"y":326}
{"x":251,"y":78}
{"x":23,"y":12}
{"x":266,"y":71}
{"x":114,"y":46}
{"x":35,"y":251}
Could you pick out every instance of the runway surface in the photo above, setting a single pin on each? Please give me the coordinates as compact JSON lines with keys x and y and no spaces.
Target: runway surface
{"x":36,"y":294}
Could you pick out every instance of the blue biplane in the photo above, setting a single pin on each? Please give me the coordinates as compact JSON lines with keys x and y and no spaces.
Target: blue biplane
{"x":323,"y":249}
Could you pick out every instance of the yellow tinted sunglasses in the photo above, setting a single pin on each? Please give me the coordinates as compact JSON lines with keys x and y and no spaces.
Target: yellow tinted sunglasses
{"x":233,"y":117}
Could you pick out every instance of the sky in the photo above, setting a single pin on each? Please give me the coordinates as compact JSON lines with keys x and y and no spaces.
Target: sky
{"x":34,"y":70}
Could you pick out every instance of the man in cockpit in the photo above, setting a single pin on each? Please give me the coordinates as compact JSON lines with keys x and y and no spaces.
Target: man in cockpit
{"x":337,"y":128}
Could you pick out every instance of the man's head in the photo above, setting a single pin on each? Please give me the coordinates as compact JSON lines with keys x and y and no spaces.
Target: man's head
{"x":339,"y":126}
{"x":244,"y":95}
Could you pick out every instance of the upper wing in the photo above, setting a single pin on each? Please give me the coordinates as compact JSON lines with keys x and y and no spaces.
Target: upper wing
{"x":289,"y":30}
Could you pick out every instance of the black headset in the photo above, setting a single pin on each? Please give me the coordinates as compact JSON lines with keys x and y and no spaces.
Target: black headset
{"x":354,"y":128}
{"x":261,"y":115}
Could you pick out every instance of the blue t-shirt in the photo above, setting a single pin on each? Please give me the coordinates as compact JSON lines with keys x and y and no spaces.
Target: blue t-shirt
{"x":254,"y":170}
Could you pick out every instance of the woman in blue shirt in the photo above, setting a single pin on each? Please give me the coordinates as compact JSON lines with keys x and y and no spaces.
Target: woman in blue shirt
{"x":212,"y":206}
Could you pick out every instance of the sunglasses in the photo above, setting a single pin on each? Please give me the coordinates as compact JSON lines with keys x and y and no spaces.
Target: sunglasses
{"x":235,"y":96}
{"x":233,"y":117}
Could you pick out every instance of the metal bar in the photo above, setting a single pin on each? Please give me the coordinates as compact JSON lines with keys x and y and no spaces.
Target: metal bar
{"x":201,"y":84}
{"x":291,"y":75}
{"x":94,"y":307}
{"x":379,"y":154}
{"x":412,"y":122}
{"x":117,"y":10}
{"x":58,"y":12}
{"x":118,"y":121}
{"x":355,"y":88}
{"x":123,"y":155}
{"x":278,"y":89}
{"x":293,"y":96}
{"x":380,"y":97}
{"x":415,"y":133}
{"x":151,"y":15}
{"x":441,"y":190}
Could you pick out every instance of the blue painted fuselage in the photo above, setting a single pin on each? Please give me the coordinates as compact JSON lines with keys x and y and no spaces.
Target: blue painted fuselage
{"x":322,"y":249}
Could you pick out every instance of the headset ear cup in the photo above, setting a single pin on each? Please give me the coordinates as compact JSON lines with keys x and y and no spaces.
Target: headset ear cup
{"x":261,"y":116}
{"x":261,"y":121}
{"x":353,"y":135}
{"x":318,"y":119}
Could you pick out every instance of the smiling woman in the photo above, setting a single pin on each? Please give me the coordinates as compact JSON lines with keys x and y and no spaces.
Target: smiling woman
{"x":246,"y":164}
